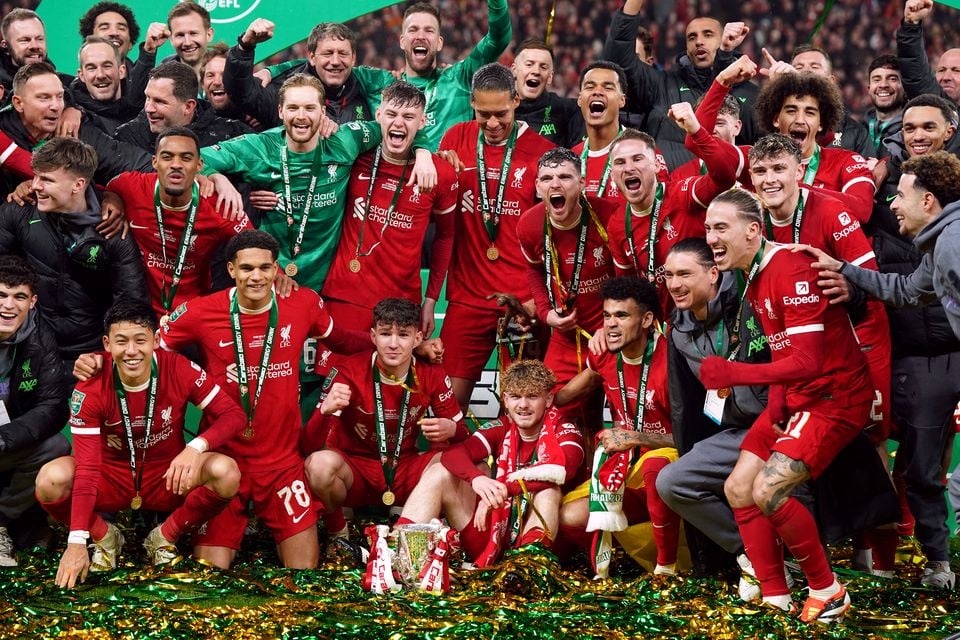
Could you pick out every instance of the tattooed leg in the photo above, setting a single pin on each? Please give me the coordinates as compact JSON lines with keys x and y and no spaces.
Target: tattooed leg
{"x":777,"y":480}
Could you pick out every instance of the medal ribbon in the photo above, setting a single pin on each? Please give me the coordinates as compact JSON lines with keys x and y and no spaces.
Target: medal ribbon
{"x":239,"y":351}
{"x":605,"y":176}
{"x":754,"y":269}
{"x":640,"y":409}
{"x":797,"y":220}
{"x":552,"y":262}
{"x":813,"y":166}
{"x":301,"y":229}
{"x":137,"y":470}
{"x":491,"y":217}
{"x":877,"y":129}
{"x":651,"y":238}
{"x":388,"y":462}
{"x":167,"y":294}
{"x":366,"y":209}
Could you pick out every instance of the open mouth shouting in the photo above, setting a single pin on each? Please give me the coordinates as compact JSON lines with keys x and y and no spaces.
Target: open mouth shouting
{"x":596,"y":108}
{"x":799,"y":134}
{"x":557,"y":201}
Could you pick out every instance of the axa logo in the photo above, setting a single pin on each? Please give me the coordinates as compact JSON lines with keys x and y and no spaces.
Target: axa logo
{"x":227,"y":11}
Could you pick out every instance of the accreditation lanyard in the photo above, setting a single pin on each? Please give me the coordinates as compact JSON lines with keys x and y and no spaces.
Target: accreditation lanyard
{"x":797,"y":220}
{"x":136,"y":470}
{"x":239,"y":350}
{"x":651,"y":238}
{"x":735,"y":332}
{"x":305,"y":214}
{"x":552,"y":261}
{"x":366,"y":209}
{"x":167,"y":293}
{"x":640,"y":409}
{"x":491,"y":214}
{"x":389,"y":461}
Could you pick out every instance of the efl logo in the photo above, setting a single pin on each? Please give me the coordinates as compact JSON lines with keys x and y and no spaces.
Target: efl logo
{"x":227,"y":11}
{"x":803,"y":288}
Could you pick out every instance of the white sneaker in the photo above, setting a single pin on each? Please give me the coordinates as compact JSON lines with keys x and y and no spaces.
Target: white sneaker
{"x":160,"y":551}
{"x":665,"y":570}
{"x":7,"y":557}
{"x":107,"y":550}
{"x":937,"y":574}
{"x":749,"y":586}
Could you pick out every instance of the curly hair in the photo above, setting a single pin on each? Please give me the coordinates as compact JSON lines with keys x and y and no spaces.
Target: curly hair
{"x":632,"y":288}
{"x":396,"y":311}
{"x":773,"y":94}
{"x":88,"y":19}
{"x":527,"y":377}
{"x":938,"y":173}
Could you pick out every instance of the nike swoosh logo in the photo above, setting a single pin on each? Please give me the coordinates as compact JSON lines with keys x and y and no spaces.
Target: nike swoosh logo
{"x":33,"y":221}
{"x":228,"y":343}
{"x":138,"y":226}
{"x":741,"y":99}
{"x":684,"y":88}
{"x":276,"y":176}
{"x":362,"y":176}
{"x":889,"y":198}
{"x":300,"y":517}
{"x":111,"y":424}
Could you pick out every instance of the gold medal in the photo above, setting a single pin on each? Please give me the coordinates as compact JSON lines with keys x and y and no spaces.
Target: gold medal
{"x":492,"y":254}
{"x":355,"y":265}
{"x":291,"y":269}
{"x":723,"y":393}
{"x":137,"y":502}
{"x":248,"y":432}
{"x":164,"y":320}
{"x":388,"y":498}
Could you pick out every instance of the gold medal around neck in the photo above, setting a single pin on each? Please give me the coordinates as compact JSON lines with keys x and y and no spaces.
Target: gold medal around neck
{"x":355,"y":266}
{"x":388,"y":498}
{"x":137,"y":502}
{"x":723,"y":393}
{"x":493,"y":253}
{"x":291,"y":269}
{"x":248,"y":433}
{"x":164,"y":320}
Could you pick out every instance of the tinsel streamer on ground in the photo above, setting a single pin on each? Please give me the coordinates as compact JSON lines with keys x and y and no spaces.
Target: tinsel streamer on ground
{"x":526,"y":596}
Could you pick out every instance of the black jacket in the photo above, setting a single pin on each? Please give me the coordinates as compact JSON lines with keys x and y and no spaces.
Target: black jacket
{"x":556,"y":119}
{"x":37,"y":401}
{"x":80,"y":273}
{"x":651,"y":91}
{"x":114,"y":157}
{"x":208,"y":126}
{"x":344,"y":104}
{"x":889,"y":134}
{"x":106,"y":116}
{"x":690,"y":341}
{"x":853,"y":136}
{"x":918,"y":78}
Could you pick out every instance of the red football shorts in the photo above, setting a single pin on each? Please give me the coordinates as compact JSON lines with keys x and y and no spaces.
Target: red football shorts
{"x":116,"y":490}
{"x":469,"y":335}
{"x":369,"y":485}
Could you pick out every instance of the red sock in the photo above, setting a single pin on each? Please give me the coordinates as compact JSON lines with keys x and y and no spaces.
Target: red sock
{"x":761,"y":544}
{"x":884,"y":544}
{"x":200,"y":505}
{"x":666,"y":524}
{"x":60,"y":511}
{"x":401,"y":520}
{"x":535,"y":534}
{"x":907,"y":522}
{"x":798,"y":530}
{"x":334,"y":520}
{"x":570,"y":539}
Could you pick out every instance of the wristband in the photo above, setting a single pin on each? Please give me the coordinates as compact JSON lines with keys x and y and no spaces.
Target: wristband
{"x":78,"y":537}
{"x":243,"y":46}
{"x":199,"y":444}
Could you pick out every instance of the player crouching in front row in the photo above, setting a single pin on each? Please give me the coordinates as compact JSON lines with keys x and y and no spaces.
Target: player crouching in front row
{"x":127,"y":427}
{"x":536,"y":451}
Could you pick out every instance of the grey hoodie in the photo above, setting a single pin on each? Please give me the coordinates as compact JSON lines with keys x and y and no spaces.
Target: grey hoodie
{"x":937,"y":277}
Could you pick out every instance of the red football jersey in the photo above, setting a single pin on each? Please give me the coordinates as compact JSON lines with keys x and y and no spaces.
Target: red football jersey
{"x":206,"y":322}
{"x":656,"y":416}
{"x":472,"y":276}
{"x":354,"y":431}
{"x":787,"y":299}
{"x":597,"y":262}
{"x":597,"y":166}
{"x":209,"y":232}
{"x":97,"y":427}
{"x":393,"y":260}
{"x":848,"y":174}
